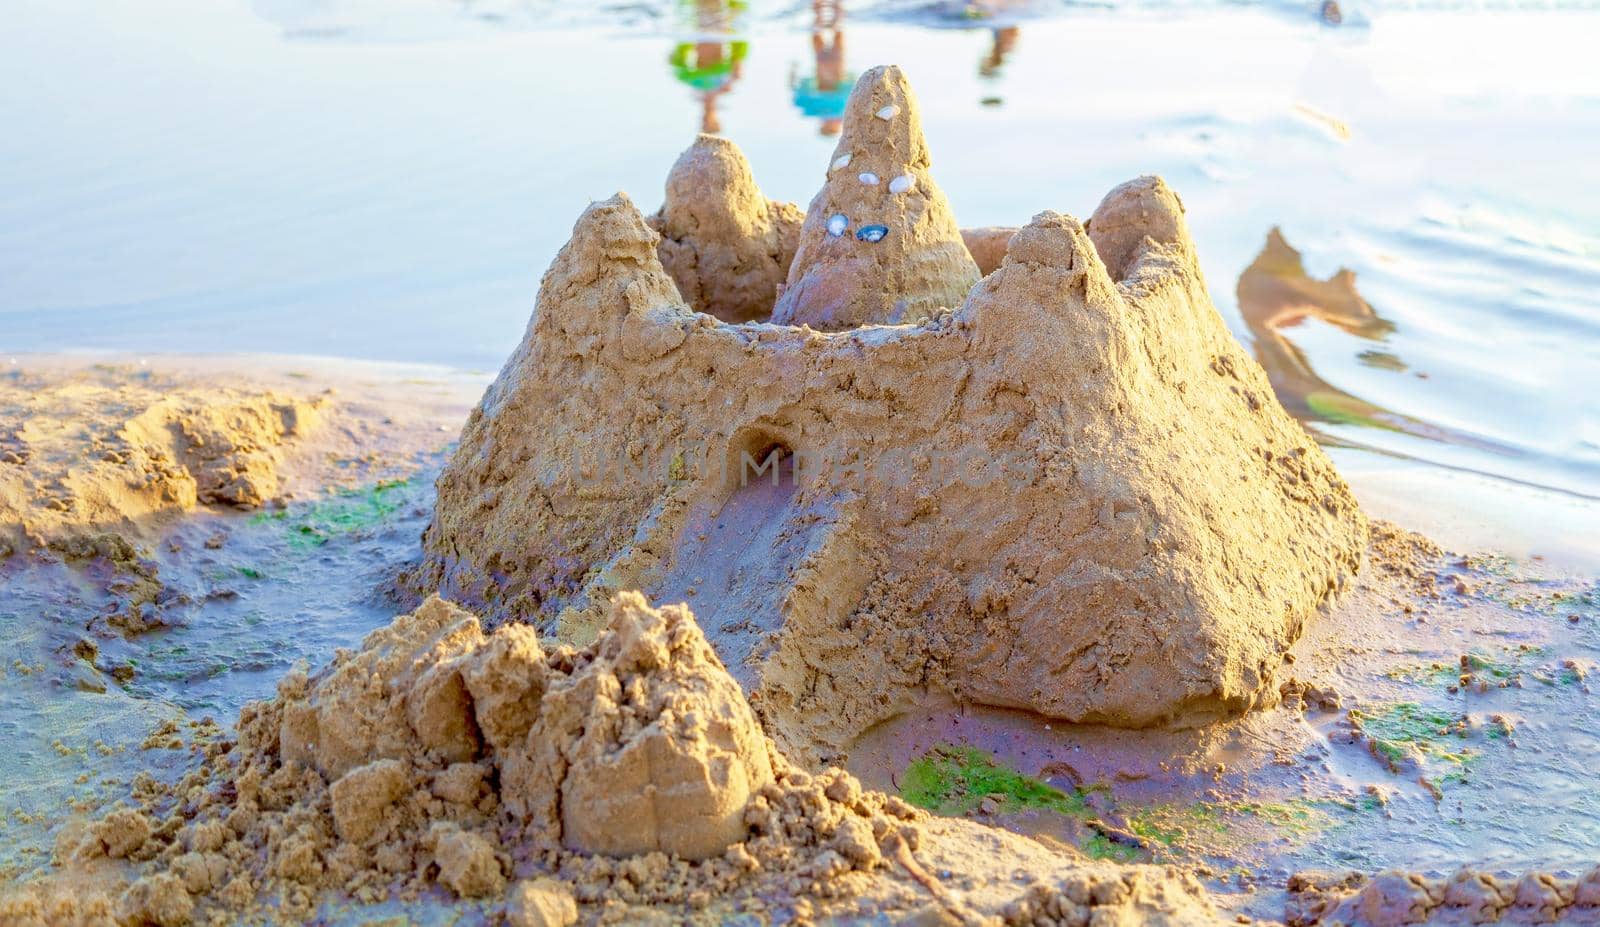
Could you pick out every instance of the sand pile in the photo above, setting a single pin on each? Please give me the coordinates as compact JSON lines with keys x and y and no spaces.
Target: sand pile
{"x":879,"y":192}
{"x":1395,"y":899}
{"x":88,"y":454}
{"x":1075,"y":494}
{"x":438,"y":755}
{"x":629,"y":773}
{"x":726,"y":246}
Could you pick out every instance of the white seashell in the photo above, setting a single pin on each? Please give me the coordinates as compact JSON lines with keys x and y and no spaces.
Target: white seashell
{"x":837,"y":223}
{"x":902,"y":183}
{"x":870,"y":179}
{"x":888,"y":112}
{"x":841,"y":162}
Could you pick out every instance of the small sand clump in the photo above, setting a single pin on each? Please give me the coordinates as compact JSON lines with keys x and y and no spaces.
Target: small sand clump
{"x":118,"y":835}
{"x":541,"y":903}
{"x":1407,"y":557}
{"x":467,"y":863}
{"x":161,"y":900}
{"x":1092,"y":898}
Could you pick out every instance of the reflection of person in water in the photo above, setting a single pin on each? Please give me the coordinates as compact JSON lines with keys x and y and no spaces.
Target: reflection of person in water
{"x":825,"y":95}
{"x":711,"y":64}
{"x":1004,"y":41}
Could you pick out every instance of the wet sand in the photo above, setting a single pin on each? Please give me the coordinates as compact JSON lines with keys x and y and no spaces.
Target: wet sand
{"x":1436,"y":718}
{"x":180,"y":615}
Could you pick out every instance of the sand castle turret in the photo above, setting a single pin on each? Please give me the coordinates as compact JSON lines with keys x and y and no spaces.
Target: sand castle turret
{"x":725,"y":245}
{"x":880,"y":243}
{"x":1075,"y":494}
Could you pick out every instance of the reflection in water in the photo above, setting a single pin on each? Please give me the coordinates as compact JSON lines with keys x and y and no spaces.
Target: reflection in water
{"x":824,"y":95}
{"x":713,"y":62}
{"x":1003,"y":42}
{"x":1276,"y":294}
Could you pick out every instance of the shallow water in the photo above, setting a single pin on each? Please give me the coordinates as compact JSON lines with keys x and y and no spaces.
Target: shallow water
{"x":388,"y":180}
{"x":245,"y":597}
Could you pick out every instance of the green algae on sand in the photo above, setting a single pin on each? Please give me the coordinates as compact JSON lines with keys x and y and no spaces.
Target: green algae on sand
{"x":956,"y":780}
{"x":1099,"y":847}
{"x":952,"y":780}
{"x":1207,"y":826}
{"x":345,"y":512}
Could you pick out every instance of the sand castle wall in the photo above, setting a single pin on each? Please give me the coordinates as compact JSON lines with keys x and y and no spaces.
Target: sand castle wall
{"x":1073,"y":494}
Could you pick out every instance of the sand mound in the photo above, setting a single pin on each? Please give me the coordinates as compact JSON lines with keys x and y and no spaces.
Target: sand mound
{"x":726,"y":246}
{"x":629,"y":773}
{"x":641,"y":744}
{"x":438,"y":755}
{"x":86,"y":454}
{"x":1075,"y":494}
{"x":879,"y":243}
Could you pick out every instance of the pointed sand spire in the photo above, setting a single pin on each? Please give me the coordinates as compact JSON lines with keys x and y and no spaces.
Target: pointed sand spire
{"x":879,"y":244}
{"x":607,"y":269}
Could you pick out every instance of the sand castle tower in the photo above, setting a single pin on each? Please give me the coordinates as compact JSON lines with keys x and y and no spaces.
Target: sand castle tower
{"x":879,"y":243}
{"x":1075,"y":494}
{"x":726,"y":246}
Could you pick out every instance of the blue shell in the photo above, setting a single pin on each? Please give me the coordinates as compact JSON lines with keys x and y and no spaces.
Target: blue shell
{"x":872,"y":232}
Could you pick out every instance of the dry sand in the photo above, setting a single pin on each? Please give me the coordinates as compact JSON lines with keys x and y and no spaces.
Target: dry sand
{"x":99,"y":452}
{"x":119,"y":447}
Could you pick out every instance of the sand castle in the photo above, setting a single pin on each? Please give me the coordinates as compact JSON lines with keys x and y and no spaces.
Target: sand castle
{"x":1063,"y":488}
